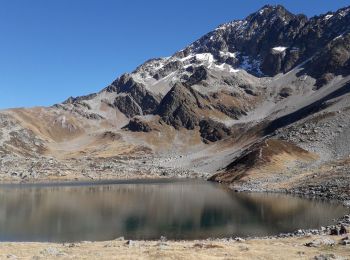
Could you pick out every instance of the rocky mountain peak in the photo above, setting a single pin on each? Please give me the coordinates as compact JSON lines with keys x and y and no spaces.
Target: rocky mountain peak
{"x":272,"y":11}
{"x":222,"y":74}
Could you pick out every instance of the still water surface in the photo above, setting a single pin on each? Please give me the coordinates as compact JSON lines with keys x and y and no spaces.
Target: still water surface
{"x":150,"y":209}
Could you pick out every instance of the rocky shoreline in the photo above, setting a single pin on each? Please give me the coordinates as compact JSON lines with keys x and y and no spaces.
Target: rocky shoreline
{"x":341,"y":226}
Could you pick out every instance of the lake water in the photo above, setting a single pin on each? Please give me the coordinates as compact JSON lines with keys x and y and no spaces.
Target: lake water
{"x":150,"y":209}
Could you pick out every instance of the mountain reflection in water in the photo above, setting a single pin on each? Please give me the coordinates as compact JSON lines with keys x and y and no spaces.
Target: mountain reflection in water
{"x":148,"y":210}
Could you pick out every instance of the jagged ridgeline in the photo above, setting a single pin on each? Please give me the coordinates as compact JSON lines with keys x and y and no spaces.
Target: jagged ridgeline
{"x":225,"y":74}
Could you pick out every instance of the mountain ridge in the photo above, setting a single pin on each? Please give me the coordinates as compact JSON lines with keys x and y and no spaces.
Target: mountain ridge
{"x":269,"y":79}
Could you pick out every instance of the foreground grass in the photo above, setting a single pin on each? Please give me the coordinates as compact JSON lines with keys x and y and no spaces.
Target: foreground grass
{"x":282,"y":248}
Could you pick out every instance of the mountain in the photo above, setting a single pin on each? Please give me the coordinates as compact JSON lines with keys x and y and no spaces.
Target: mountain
{"x":260,"y":103}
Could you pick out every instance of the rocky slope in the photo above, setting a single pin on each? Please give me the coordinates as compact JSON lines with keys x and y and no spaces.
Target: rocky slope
{"x":260,"y":103}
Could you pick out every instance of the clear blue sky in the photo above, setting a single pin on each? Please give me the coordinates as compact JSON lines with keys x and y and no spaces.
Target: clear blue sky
{"x":53,"y":49}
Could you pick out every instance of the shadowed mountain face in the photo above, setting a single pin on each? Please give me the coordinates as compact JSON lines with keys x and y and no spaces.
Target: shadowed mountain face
{"x":272,"y":80}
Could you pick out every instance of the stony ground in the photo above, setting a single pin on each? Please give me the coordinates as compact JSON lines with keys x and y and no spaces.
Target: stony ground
{"x":307,"y":247}
{"x":46,"y":169}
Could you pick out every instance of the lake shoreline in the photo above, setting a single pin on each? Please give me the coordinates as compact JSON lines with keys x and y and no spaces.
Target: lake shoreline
{"x":293,"y":244}
{"x":308,"y":193}
{"x":165,"y":180}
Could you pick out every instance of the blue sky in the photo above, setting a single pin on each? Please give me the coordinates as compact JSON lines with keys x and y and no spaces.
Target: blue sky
{"x":50,"y":50}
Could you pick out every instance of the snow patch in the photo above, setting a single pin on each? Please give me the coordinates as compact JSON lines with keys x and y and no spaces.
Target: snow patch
{"x":187,"y":58}
{"x":328,"y":16}
{"x":220,"y":67}
{"x":279,"y":48}
{"x":225,"y":67}
{"x":228,"y":54}
{"x":338,"y":37}
{"x":233,"y":70}
{"x":205,"y":57}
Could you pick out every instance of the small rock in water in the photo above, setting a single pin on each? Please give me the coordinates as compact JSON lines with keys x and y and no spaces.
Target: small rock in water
{"x":347,"y":204}
{"x":120,"y":239}
{"x":342,"y":230}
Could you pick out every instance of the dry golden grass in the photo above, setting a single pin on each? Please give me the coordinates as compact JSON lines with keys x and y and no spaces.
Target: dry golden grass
{"x":264,"y":161}
{"x":287,"y":248}
{"x":47,"y":125}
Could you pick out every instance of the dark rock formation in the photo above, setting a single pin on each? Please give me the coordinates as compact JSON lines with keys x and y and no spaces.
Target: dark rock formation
{"x":127,"y":105}
{"x":137,"y":125}
{"x":231,"y":111}
{"x":213,"y":131}
{"x":199,"y":74}
{"x":285,"y":92}
{"x":167,"y":69}
{"x":273,"y":62}
{"x":178,"y":108}
{"x":333,"y":60}
{"x":144,"y":98}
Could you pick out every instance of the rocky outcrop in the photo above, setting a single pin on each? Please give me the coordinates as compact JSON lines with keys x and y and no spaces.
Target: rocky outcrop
{"x":144,"y":98}
{"x":213,"y":131}
{"x":273,"y":62}
{"x":178,"y":108}
{"x":167,"y":69}
{"x":127,"y":105}
{"x":333,"y":60}
{"x":231,"y":111}
{"x":137,"y":125}
{"x":198,"y":75}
